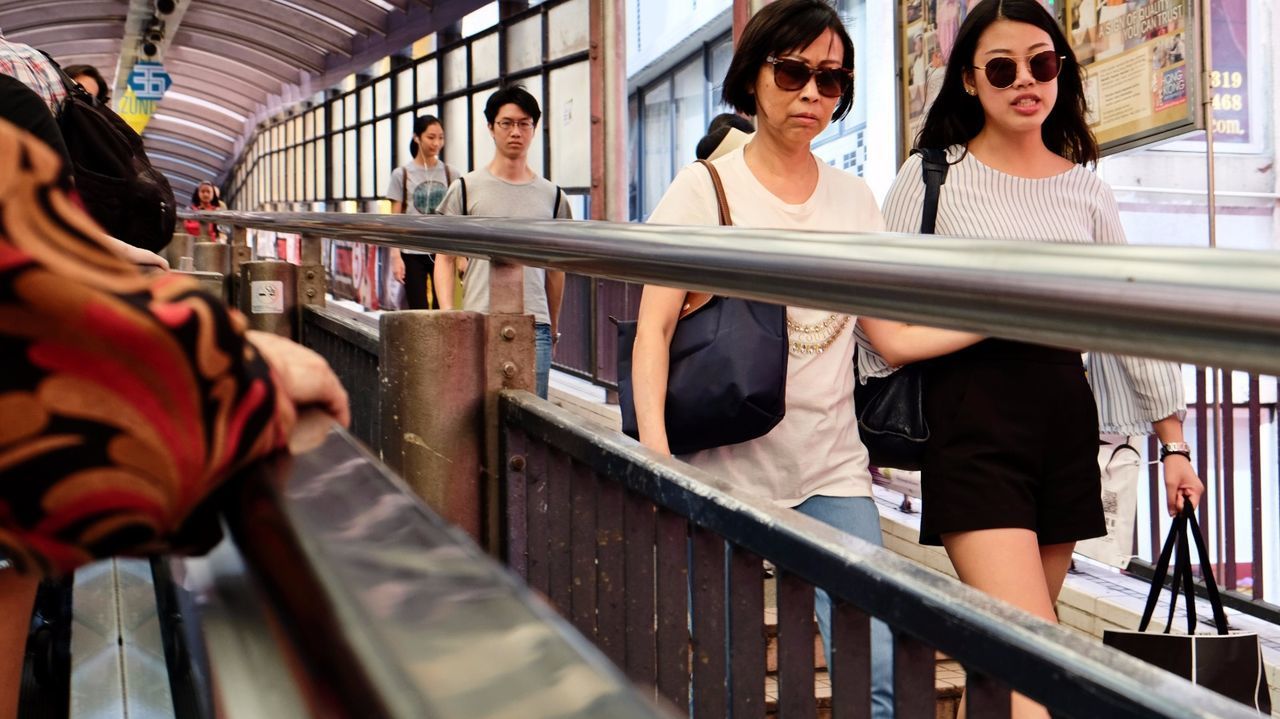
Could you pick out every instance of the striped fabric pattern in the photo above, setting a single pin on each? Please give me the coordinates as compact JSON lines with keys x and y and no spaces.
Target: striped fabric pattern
{"x":1076,"y":206}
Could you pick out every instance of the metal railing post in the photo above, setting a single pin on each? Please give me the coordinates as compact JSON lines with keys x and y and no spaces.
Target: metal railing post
{"x":213,"y":257}
{"x":268,"y":296}
{"x":311,"y":277}
{"x":431,"y":385}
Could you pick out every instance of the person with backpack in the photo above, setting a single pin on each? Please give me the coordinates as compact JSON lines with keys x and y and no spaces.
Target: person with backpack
{"x":508,"y":187}
{"x":416,"y":188}
{"x":1010,"y":476}
{"x":33,"y":69}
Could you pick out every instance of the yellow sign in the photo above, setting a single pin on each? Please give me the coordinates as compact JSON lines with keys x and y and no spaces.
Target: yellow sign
{"x":136,"y":112}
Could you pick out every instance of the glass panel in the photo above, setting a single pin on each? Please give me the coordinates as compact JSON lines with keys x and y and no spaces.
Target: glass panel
{"x":309,"y":184}
{"x":385,"y":158}
{"x":368,"y":165}
{"x":309,"y":126}
{"x":427,"y":78}
{"x":657,"y":144}
{"x":404,"y":89}
{"x":403,"y":134}
{"x":382,"y":96}
{"x":297,"y":130}
{"x":484,"y":59}
{"x":321,"y":170}
{"x":321,"y":126}
{"x":366,"y":104}
{"x":349,"y":111}
{"x":568,"y":29}
{"x":350,"y":166}
{"x":633,"y":158}
{"x":455,"y":69}
{"x":721,"y":54}
{"x":457,"y":141}
{"x":691,"y":115}
{"x":539,"y":146}
{"x":568,"y":117}
{"x":297,"y":174}
{"x":524,"y":44}
{"x":481,"y":140}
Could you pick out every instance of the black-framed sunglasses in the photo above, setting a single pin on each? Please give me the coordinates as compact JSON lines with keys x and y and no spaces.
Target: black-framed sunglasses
{"x":1002,"y":72}
{"x":791,"y":75}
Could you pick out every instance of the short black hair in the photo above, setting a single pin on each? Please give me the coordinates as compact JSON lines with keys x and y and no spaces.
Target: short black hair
{"x":420,"y":125}
{"x":716,"y":131}
{"x":104,"y":91}
{"x":512,"y":95}
{"x":780,"y":27}
{"x":956,"y":117}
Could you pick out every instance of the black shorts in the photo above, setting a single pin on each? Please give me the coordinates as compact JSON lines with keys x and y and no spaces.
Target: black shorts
{"x":1013,"y":443}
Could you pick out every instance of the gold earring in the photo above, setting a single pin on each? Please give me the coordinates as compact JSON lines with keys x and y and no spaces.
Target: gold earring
{"x":971,"y":91}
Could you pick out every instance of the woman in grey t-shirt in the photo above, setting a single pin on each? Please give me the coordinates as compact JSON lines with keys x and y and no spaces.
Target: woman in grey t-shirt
{"x":416,"y":188}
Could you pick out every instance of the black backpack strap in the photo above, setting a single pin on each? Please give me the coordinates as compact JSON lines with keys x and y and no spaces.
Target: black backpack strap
{"x":555,"y":211}
{"x":463,"y":182}
{"x":934,"y":168}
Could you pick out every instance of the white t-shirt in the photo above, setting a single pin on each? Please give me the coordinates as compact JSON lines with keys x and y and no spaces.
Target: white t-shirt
{"x":815,"y":449}
{"x":419,"y":188}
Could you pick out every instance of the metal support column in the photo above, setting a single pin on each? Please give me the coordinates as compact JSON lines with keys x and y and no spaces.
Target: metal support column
{"x":311,"y":278}
{"x":609,"y":190}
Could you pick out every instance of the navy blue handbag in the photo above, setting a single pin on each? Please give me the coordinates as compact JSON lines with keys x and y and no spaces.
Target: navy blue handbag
{"x":728,"y":373}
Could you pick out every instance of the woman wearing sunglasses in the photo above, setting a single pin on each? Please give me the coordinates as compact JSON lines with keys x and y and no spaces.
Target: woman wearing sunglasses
{"x":793,"y":72}
{"x":1010,"y":476}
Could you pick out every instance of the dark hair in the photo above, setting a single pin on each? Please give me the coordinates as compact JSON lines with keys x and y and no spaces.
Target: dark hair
{"x":512,"y":95}
{"x":956,"y":117}
{"x":104,"y":90}
{"x":781,"y":27}
{"x":195,"y":194}
{"x":719,"y":127}
{"x":420,"y":125}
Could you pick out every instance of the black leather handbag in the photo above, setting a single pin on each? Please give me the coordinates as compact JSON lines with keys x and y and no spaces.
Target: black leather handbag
{"x":727,"y":377}
{"x":890,"y":409}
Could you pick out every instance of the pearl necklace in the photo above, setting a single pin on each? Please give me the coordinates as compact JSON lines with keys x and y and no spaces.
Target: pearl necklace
{"x":806,"y":340}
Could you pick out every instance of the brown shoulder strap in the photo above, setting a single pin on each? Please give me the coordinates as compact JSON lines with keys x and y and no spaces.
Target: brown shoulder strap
{"x":694,"y":301}
{"x":721,"y":201}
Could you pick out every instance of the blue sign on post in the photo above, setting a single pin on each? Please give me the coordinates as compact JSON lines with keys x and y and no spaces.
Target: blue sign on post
{"x":149,"y":81}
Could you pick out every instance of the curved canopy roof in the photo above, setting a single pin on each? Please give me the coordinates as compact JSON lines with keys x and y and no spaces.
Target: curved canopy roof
{"x":233,"y":62}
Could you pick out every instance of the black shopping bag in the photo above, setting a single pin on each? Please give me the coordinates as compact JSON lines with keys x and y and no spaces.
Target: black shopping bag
{"x":1227,"y":663}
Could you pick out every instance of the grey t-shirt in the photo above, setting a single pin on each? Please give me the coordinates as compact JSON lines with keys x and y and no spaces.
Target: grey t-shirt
{"x":490,"y":196}
{"x":424,"y":186}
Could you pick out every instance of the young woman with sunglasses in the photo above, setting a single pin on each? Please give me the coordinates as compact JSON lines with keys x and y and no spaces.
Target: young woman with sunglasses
{"x":792,"y":71}
{"x":1010,"y":477}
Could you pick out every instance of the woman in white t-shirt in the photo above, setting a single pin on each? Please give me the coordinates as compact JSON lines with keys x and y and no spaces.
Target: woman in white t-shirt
{"x":793,"y":71}
{"x":416,"y":188}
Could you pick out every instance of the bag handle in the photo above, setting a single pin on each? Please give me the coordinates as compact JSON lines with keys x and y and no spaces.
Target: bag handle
{"x":404,"y":189}
{"x":1183,"y":525}
{"x":694,"y":301}
{"x":933,"y":168}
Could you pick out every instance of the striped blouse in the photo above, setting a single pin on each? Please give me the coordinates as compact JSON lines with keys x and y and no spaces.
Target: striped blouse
{"x":1075,"y":206}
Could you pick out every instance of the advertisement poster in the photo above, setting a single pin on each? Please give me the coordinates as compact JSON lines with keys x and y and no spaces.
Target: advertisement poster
{"x":353,"y":273}
{"x":1229,"y":79}
{"x":1138,"y":55}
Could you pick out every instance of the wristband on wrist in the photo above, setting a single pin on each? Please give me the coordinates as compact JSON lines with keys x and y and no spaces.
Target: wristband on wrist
{"x":1181,"y":448}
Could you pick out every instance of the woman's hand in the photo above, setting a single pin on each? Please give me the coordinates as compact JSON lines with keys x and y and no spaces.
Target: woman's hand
{"x":136,"y":255}
{"x":304,"y":376}
{"x":1180,"y":481}
{"x":397,"y":265}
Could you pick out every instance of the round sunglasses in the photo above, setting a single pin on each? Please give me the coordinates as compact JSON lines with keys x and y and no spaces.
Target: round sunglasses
{"x":1002,"y":72}
{"x":791,"y":75}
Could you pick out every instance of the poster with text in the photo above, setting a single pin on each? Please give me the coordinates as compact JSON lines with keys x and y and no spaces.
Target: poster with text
{"x":1140,"y":59}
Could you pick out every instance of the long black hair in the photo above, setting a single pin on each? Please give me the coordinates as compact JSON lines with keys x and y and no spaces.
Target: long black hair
{"x":420,"y":125}
{"x":956,"y":117}
{"x":780,"y":27}
{"x":195,"y":194}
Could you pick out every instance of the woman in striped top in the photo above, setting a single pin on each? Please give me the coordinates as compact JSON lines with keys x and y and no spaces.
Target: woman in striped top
{"x":1010,"y":477}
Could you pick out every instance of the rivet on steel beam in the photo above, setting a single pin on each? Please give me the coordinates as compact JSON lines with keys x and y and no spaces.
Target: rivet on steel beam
{"x":311,"y":274}
{"x":508,"y":333}
{"x":509,"y":369}
{"x":311,"y":292}
{"x":517,"y":463}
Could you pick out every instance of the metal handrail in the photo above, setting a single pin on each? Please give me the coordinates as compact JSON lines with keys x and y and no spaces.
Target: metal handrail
{"x":1210,"y":307}
{"x":397,"y":613}
{"x":1047,"y":662}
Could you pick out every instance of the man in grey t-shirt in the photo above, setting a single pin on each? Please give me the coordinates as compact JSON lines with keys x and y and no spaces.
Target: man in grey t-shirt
{"x":507,"y":187}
